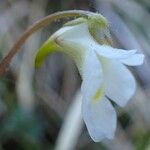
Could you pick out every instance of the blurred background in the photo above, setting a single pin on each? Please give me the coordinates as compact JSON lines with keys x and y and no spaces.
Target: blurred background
{"x":35,"y":103}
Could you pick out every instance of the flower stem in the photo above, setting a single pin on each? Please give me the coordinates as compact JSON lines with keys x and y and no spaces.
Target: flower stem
{"x":36,"y":26}
{"x":72,"y":126}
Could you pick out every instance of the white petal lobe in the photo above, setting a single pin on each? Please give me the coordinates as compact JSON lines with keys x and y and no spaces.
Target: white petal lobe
{"x":100,"y":118}
{"x":98,"y":114}
{"x":110,"y":52}
{"x":78,"y":34}
{"x":134,"y":60}
{"x":119,"y":82}
{"x":92,"y":76}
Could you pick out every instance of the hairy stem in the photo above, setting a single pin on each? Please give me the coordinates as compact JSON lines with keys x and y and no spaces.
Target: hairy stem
{"x":36,"y":26}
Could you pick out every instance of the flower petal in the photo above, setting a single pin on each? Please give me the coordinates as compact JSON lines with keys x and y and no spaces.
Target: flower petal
{"x":110,"y":52}
{"x":92,"y":76}
{"x":134,"y":60}
{"x":98,"y":113}
{"x":119,"y":82}
{"x":76,"y":34}
{"x":76,"y":42}
{"x":100,"y":118}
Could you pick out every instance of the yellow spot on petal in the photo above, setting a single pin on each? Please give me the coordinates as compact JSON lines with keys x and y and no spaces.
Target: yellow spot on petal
{"x":99,"y":94}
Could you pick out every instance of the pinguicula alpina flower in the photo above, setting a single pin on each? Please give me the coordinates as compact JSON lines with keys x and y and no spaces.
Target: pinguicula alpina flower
{"x":102,"y":68}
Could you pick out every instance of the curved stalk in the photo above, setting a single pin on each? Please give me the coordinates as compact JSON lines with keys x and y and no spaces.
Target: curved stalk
{"x":33,"y":28}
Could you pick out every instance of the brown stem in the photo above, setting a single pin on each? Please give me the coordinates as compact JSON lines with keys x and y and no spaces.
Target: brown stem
{"x":36,"y":26}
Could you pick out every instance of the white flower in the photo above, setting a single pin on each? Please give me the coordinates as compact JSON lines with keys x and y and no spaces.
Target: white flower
{"x":103,"y":72}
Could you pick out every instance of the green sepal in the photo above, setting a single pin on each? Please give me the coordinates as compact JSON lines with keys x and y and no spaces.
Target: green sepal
{"x":47,"y":48}
{"x":98,"y":28}
{"x":97,"y":20}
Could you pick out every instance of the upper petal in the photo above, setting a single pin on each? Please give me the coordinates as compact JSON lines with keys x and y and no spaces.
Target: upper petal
{"x":78,"y":34}
{"x":100,"y":118}
{"x":119,"y":82}
{"x":110,"y":52}
{"x":76,"y":42}
{"x":134,"y":60}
